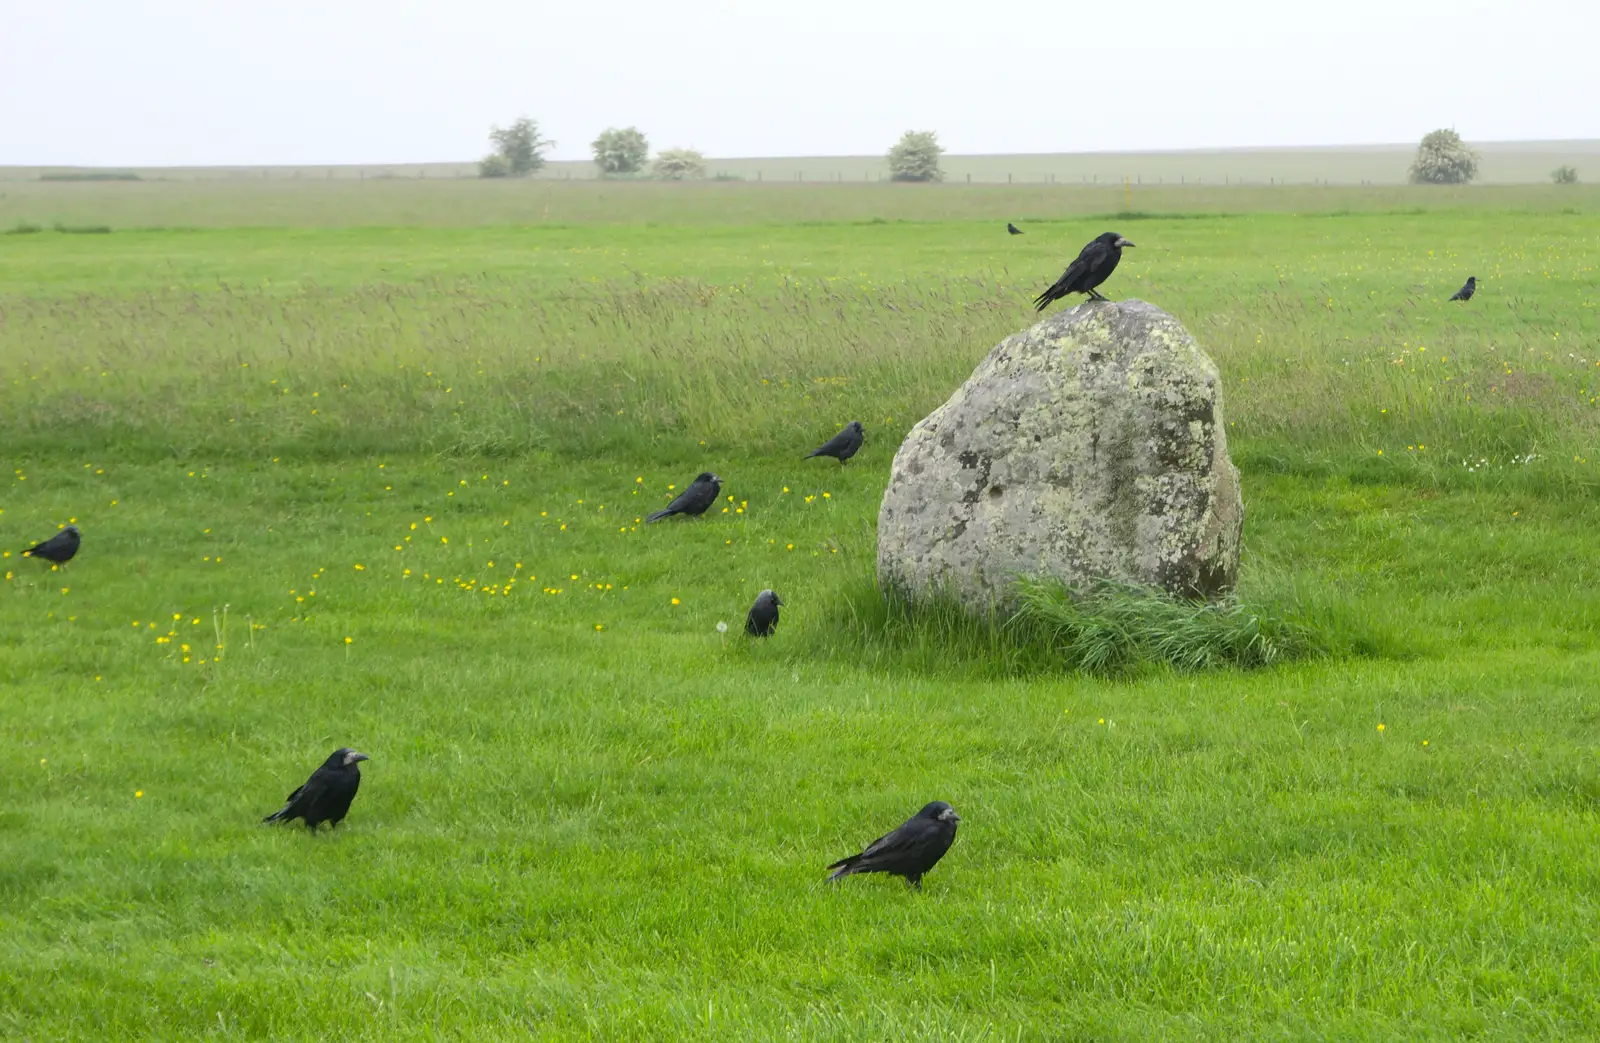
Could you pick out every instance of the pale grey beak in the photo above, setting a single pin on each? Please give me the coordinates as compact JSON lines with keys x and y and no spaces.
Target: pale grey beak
{"x":352,"y":757}
{"x":1123,"y":243}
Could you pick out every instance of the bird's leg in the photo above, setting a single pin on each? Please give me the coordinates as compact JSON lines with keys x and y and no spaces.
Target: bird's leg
{"x":1094,"y":295}
{"x":914,"y":882}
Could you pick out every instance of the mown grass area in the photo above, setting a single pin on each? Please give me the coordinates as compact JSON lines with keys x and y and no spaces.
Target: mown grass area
{"x":381,"y":488}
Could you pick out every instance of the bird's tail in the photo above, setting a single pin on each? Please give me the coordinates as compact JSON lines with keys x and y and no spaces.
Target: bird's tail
{"x":814,"y":452}
{"x":843,"y":868}
{"x":662,"y":513}
{"x":279,"y":815}
{"x":1041,"y":302}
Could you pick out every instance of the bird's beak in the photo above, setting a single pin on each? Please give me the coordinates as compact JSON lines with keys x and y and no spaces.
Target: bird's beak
{"x":358,"y":757}
{"x":949,"y":815}
{"x":1123,"y":244}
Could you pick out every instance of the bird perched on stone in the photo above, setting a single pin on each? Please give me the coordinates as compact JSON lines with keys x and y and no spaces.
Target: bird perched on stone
{"x":58,"y":549}
{"x":763,"y":617}
{"x":1013,"y":229}
{"x":1094,"y":265}
{"x":327,"y":794}
{"x":909,"y":851}
{"x":693,"y":501}
{"x":1466,"y":292}
{"x":843,"y":445}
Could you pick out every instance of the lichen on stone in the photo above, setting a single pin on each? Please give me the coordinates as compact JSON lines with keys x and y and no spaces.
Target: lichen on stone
{"x":1089,"y":448}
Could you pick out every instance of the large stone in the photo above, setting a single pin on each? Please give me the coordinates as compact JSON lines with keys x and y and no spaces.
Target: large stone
{"x":1089,"y":448}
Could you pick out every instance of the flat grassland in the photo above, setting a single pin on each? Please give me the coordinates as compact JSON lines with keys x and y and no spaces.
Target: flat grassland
{"x":381,"y":487}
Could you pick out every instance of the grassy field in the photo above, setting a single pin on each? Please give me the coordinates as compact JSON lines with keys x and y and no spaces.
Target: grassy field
{"x":381,"y":487}
{"x":472,"y":204}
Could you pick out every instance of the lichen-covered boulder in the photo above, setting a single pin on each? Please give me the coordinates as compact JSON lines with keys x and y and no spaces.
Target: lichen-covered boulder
{"x":1089,"y":448}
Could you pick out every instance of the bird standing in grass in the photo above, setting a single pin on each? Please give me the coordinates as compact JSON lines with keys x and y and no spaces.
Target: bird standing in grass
{"x":763,"y":617}
{"x":58,"y":549}
{"x":843,"y":445}
{"x":327,"y":794}
{"x":693,"y":501}
{"x":909,"y":851}
{"x":1013,"y":229}
{"x":1094,"y":265}
{"x":1466,"y":292}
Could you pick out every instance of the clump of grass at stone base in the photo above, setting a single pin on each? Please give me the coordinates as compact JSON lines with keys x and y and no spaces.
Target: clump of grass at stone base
{"x":1110,"y":630}
{"x":1116,"y":629}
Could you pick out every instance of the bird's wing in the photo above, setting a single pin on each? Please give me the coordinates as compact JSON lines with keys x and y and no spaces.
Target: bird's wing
{"x":908,"y":837}
{"x":702,"y":496}
{"x":289,"y":804}
{"x":1058,"y":289}
{"x":1072,"y":277}
{"x":690,"y":497}
{"x":312,"y":791}
{"x":832,"y":445}
{"x":1098,"y":257}
{"x":1074,"y":273}
{"x":900,"y":839}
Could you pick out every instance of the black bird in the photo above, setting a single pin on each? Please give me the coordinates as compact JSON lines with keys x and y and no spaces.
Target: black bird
{"x":1094,"y":266}
{"x":58,"y":549}
{"x":843,"y":445}
{"x":909,"y":851}
{"x":763,"y":617}
{"x":1466,"y":292}
{"x":693,"y":501}
{"x":327,"y":794}
{"x":1013,"y":229}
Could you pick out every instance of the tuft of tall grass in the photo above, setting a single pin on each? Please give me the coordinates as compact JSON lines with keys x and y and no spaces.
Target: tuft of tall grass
{"x":1114,"y":628}
{"x":1110,"y":630}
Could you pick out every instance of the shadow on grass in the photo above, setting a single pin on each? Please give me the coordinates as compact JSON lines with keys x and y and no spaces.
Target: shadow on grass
{"x":1111,"y":631}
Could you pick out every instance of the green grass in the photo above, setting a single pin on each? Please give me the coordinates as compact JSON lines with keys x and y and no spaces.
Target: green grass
{"x":471,"y":203}
{"x":590,"y":815}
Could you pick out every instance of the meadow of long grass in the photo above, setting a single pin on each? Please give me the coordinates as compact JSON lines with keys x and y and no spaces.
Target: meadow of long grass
{"x":459,"y":203}
{"x":383,"y":487}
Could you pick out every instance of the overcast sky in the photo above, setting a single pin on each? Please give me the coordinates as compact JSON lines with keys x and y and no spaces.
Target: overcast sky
{"x":187,"y":82}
